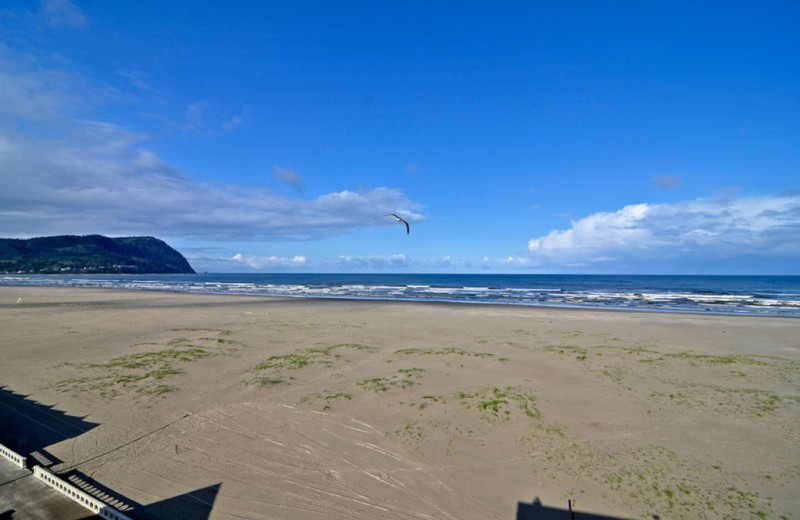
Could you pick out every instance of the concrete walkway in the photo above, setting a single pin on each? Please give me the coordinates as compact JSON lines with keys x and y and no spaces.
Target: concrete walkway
{"x":22,"y":497}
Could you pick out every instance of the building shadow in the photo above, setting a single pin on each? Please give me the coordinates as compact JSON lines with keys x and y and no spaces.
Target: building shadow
{"x":102,"y":493}
{"x":194,"y":505}
{"x":538,"y":511}
{"x":29,"y":427}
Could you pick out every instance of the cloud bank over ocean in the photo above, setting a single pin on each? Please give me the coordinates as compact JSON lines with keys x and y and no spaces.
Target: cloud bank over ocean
{"x":716,"y":228}
{"x":101,"y":174}
{"x":65,"y":172}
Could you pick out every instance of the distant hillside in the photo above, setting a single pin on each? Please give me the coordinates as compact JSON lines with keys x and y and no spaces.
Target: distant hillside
{"x":90,"y":254}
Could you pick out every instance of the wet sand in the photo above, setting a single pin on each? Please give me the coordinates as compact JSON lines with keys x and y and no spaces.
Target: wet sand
{"x":250,"y":407}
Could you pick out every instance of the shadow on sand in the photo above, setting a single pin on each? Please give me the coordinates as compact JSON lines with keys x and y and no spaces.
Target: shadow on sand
{"x":538,"y":511}
{"x":29,"y":427}
{"x":195,"y":505}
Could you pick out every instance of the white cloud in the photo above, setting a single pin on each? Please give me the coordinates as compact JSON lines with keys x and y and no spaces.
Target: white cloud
{"x":262,"y":262}
{"x":718,"y":229}
{"x":100,"y":179}
{"x":64,"y":173}
{"x":513,"y":261}
{"x":373,"y":262}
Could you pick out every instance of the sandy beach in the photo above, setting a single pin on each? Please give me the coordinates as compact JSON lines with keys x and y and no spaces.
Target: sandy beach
{"x":229,"y":407}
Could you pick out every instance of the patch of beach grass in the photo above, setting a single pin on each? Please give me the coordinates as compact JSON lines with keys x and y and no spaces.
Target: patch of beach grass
{"x":446,"y":351}
{"x":656,"y":479}
{"x":404,"y":378}
{"x":302,"y":358}
{"x":382,"y":384}
{"x":718,"y":360}
{"x":500,"y":402}
{"x":651,"y":356}
{"x":764,"y":401}
{"x":583,"y":352}
{"x":221,"y":341}
{"x":310,"y":356}
{"x":411,"y":432}
{"x":328,"y":351}
{"x":179,"y":350}
{"x":286,"y":361}
{"x":139,"y":373}
{"x":267,"y":381}
{"x":567,"y":349}
{"x":752,"y":403}
{"x":425,"y":401}
{"x":411,"y":372}
{"x":325,"y":397}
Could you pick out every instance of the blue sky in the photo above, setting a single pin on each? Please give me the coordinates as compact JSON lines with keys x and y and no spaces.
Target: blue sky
{"x":569,"y":137}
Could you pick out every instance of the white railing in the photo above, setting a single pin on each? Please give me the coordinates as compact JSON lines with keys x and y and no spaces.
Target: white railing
{"x":13,"y":456}
{"x":89,"y":502}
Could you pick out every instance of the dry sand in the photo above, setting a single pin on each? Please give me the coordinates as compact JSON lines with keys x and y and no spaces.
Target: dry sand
{"x":307,"y":409}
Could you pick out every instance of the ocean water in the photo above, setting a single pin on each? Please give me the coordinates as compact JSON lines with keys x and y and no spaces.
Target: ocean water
{"x":752,"y":295}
